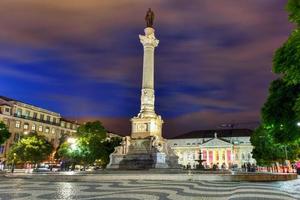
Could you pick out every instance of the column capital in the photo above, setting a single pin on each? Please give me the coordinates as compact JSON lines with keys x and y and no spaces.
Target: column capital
{"x":149,"y":38}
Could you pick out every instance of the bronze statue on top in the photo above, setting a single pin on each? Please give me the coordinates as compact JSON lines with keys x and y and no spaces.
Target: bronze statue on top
{"x":149,"y":18}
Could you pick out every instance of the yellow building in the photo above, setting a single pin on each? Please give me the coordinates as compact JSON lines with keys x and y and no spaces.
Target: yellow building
{"x":223,"y":146}
{"x":22,"y":118}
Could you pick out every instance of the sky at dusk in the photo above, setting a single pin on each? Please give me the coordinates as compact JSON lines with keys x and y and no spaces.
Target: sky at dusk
{"x":83,"y":59}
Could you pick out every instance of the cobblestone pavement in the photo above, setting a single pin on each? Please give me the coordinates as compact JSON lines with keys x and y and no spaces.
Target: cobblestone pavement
{"x":135,"y":190}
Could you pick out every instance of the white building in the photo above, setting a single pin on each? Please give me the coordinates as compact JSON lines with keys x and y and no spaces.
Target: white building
{"x":229,"y":146}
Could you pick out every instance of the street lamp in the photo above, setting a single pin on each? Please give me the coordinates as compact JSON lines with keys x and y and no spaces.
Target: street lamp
{"x":72,"y":142}
{"x":298,"y":124}
{"x":13,"y":163}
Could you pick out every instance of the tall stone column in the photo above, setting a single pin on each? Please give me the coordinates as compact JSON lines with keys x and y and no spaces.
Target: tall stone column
{"x":147,"y":123}
{"x":149,"y":43}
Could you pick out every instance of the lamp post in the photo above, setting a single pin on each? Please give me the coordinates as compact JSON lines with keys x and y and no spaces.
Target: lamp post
{"x":73,"y":146}
{"x":13,"y":163}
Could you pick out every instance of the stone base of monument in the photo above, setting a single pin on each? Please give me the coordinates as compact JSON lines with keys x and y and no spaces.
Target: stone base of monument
{"x":146,"y":153}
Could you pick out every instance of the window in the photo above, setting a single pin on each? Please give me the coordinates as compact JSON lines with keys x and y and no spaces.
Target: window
{"x":54,"y":120}
{"x":48,"y":118}
{"x":33,"y":127}
{"x":18,"y":124}
{"x":7,"y":110}
{"x":53,"y":130}
{"x":175,"y":144}
{"x":40,"y":128}
{"x":47,"y":129}
{"x":193,"y":143}
{"x":34,"y":115}
{"x":26,"y":126}
{"x":41,"y":117}
{"x":19,"y":112}
{"x":62,"y":132}
{"x":27,"y":113}
{"x":188,"y":143}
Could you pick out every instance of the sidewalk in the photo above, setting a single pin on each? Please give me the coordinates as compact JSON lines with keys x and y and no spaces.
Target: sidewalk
{"x":138,"y":175}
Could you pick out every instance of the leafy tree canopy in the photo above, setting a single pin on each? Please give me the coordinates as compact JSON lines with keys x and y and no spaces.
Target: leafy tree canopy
{"x":94,"y":128}
{"x":286,"y":60}
{"x":279,"y":112}
{"x":32,"y":148}
{"x":4,"y":133}
{"x":91,"y":145}
{"x":293,"y":8}
{"x":266,"y":151}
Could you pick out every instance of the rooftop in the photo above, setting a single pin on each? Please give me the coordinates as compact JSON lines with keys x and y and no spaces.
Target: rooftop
{"x":220,"y":133}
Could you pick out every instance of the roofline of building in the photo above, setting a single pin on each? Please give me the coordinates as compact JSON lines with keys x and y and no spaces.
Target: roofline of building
{"x":209,"y":131}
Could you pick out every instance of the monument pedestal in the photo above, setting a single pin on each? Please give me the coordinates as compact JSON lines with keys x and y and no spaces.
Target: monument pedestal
{"x":146,"y":153}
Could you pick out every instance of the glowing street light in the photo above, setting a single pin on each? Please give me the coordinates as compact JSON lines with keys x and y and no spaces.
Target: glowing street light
{"x":72,"y":142}
{"x":298,"y":124}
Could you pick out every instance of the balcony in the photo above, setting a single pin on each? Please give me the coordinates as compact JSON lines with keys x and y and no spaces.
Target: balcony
{"x":36,"y":120}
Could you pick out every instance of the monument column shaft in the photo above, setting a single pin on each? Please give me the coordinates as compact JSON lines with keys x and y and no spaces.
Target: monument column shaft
{"x":148,"y":67}
{"x":149,"y":43}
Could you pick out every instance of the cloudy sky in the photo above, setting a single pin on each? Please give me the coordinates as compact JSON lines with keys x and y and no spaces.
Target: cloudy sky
{"x":84,"y":60}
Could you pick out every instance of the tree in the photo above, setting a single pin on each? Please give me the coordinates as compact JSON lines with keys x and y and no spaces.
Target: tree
{"x":33,"y":149}
{"x":4,"y":133}
{"x":281,"y":112}
{"x":90,"y":129}
{"x":91,"y":144}
{"x":265,"y":150}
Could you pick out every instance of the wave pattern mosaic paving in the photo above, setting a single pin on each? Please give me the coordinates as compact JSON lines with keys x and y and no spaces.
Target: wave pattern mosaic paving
{"x":154,"y":190}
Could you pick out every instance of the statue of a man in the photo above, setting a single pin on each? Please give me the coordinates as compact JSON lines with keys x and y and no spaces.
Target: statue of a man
{"x":149,"y":18}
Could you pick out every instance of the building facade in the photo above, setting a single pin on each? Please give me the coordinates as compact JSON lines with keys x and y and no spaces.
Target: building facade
{"x":22,"y":118}
{"x":231,"y":147}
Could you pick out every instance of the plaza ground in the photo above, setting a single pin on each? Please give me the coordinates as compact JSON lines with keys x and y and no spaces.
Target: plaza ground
{"x":22,"y":188}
